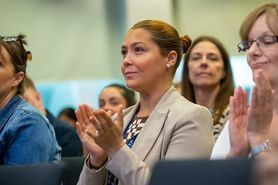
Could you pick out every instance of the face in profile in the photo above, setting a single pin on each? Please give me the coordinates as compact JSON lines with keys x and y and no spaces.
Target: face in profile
{"x":143,"y":66}
{"x":205,"y":65}
{"x":263,"y":57}
{"x":7,"y":75}
{"x":111,"y":98}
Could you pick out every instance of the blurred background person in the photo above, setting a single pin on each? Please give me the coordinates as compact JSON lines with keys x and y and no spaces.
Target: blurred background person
{"x":114,"y":95}
{"x":67,"y":115}
{"x":66,"y":135}
{"x":26,"y":136}
{"x":207,"y":79}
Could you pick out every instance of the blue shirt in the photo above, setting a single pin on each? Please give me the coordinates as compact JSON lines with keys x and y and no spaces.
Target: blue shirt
{"x":26,"y":136}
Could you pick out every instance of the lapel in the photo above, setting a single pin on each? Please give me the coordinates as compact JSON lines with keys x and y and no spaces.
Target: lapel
{"x":153,"y":126}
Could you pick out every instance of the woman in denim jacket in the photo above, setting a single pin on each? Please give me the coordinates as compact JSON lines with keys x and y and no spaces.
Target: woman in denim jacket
{"x":26,"y":137}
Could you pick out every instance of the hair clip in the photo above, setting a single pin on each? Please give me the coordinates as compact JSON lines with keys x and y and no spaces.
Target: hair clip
{"x":9,"y":38}
{"x":28,"y":55}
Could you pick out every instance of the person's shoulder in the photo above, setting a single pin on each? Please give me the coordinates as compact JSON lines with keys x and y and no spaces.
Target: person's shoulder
{"x":24,"y":110}
{"x":183,"y":105}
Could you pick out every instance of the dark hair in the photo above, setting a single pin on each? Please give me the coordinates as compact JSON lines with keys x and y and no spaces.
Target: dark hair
{"x":69,"y":112}
{"x":18,"y":54}
{"x":128,"y":94}
{"x":271,"y":12}
{"x":166,"y":37}
{"x":226,"y":84}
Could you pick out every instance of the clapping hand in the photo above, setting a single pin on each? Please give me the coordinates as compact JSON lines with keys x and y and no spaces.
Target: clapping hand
{"x":238,"y":124}
{"x":97,"y":155}
{"x":260,"y":111}
{"x":108,"y":134}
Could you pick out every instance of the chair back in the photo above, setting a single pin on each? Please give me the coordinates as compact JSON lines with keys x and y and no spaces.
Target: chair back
{"x":202,"y":172}
{"x":40,"y":174}
{"x":72,"y":167}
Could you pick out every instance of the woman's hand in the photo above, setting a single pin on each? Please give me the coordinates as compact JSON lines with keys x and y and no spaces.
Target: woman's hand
{"x":260,"y":111}
{"x":238,"y":124}
{"x":97,"y":155}
{"x":108,"y":133}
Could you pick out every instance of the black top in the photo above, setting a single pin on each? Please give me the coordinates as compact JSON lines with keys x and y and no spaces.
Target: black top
{"x":66,"y":136}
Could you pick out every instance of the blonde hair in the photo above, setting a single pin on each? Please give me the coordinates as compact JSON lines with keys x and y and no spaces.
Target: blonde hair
{"x":268,"y":9}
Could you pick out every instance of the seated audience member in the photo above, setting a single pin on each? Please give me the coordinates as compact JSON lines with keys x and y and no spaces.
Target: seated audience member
{"x":65,"y":134}
{"x":207,"y":79}
{"x":114,"y":95}
{"x":253,"y":129}
{"x":163,"y":125}
{"x":68,"y":115}
{"x":26,"y":137}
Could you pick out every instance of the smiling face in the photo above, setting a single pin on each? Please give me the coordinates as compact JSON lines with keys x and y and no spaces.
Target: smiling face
{"x":143,"y":66}
{"x":111,"y":98}
{"x":265,"y":59}
{"x":205,"y":65}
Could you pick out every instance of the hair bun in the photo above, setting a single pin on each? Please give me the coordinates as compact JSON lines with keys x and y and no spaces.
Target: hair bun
{"x":28,"y":55}
{"x":186,"y":42}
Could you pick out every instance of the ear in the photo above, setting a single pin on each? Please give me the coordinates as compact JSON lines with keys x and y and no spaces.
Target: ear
{"x":18,"y":78}
{"x":171,"y":59}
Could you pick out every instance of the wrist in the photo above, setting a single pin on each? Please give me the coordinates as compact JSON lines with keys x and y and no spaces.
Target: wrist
{"x":263,"y":147}
{"x":114,"y":150}
{"x":95,"y":164}
{"x":238,"y":153}
{"x":257,"y":139}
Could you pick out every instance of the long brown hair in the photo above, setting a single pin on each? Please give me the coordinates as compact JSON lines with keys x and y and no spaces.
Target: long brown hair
{"x":226,"y":84}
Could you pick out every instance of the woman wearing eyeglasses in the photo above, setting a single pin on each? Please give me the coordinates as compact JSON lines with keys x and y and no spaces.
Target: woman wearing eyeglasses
{"x":252,"y":130}
{"x":26,"y":137}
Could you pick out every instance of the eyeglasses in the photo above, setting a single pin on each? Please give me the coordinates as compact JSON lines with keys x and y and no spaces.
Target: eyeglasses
{"x":262,"y":42}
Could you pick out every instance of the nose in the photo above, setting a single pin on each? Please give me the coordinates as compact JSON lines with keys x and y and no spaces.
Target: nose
{"x":204,"y":62}
{"x":254,"y":50}
{"x":106,"y":107}
{"x":126,"y":62}
{"x":127,"y":59}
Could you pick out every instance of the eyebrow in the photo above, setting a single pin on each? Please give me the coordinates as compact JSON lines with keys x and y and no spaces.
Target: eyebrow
{"x":265,"y":33}
{"x":132,"y":45}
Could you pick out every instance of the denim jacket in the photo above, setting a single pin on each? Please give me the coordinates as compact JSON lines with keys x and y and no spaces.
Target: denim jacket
{"x":26,"y":136}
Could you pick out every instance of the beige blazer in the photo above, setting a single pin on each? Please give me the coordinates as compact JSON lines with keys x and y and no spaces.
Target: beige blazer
{"x":176,"y":129}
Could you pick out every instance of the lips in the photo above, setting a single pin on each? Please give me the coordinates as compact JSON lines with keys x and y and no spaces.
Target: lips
{"x":203,"y":74}
{"x":129,"y":74}
{"x":256,"y":65}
